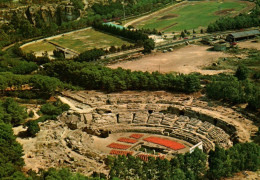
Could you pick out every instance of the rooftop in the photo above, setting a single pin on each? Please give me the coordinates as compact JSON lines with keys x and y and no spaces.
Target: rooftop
{"x":245,"y":33}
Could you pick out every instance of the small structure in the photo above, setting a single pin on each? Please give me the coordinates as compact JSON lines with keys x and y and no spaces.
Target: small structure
{"x":199,"y":145}
{"x":242,"y":35}
{"x":220,"y":47}
{"x":115,"y":25}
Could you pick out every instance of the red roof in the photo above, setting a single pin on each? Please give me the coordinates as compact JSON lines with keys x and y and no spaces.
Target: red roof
{"x":118,"y":146}
{"x":136,"y":136}
{"x":127,"y":140}
{"x":165,"y":142}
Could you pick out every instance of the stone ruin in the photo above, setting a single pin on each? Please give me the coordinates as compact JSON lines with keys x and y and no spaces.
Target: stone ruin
{"x":69,"y":141}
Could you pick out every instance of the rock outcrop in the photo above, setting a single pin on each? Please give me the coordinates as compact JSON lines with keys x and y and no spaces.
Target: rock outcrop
{"x":51,"y":13}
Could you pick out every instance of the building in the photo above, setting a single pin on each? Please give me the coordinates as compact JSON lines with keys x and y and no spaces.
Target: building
{"x":242,"y":35}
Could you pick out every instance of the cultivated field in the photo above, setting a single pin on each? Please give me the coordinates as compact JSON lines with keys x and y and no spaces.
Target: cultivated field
{"x":78,"y":41}
{"x":188,"y":59}
{"x":191,"y":15}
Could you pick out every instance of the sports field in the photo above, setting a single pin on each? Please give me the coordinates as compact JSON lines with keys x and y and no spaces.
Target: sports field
{"x":78,"y":41}
{"x":192,"y":15}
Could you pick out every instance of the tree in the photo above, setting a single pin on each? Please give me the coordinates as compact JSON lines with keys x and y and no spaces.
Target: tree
{"x":15,"y":114}
{"x":178,"y":174}
{"x":45,"y":84}
{"x":183,"y":34}
{"x":11,"y":152}
{"x":242,"y":72}
{"x":219,"y":164}
{"x":149,"y":45}
{"x":78,"y":4}
{"x":32,"y":128}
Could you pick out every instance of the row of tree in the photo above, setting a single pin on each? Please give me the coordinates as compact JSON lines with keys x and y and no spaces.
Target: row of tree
{"x":91,"y":76}
{"x":251,"y":19}
{"x":187,"y":166}
{"x":11,"y":152}
{"x":38,"y":85}
{"x":222,"y":163}
{"x":135,"y":35}
{"x":115,"y":9}
{"x":241,"y":157}
{"x":16,"y":65}
{"x":235,"y":89}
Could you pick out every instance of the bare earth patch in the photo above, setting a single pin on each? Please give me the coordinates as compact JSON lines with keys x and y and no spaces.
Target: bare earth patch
{"x":191,"y":58}
{"x":168,"y":16}
{"x":168,"y":26}
{"x":250,"y":44}
{"x":223,"y":12}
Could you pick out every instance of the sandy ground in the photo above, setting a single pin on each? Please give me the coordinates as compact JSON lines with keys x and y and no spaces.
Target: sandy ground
{"x":250,"y":44}
{"x":191,"y":58}
{"x":248,"y":175}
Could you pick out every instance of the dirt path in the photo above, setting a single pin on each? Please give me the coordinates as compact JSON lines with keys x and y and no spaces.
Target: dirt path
{"x":191,"y":58}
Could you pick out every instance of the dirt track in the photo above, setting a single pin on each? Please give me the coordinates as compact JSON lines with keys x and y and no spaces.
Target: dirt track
{"x":189,"y":59}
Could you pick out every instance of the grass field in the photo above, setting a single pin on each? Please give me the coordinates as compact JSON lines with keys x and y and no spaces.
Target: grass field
{"x":39,"y":46}
{"x":191,"y":15}
{"x":89,"y":39}
{"x":79,"y":41}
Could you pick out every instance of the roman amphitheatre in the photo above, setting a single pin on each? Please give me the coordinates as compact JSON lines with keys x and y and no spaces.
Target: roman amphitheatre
{"x":142,"y":124}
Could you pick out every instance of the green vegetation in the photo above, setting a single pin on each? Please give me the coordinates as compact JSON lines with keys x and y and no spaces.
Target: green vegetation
{"x":232,"y":90}
{"x":242,"y":21}
{"x":90,"y":55}
{"x":191,"y":16}
{"x":91,"y":76}
{"x":11,"y":152}
{"x":242,"y":72}
{"x":251,"y":61}
{"x":149,"y":45}
{"x":60,"y":174}
{"x":89,"y":39}
{"x":241,"y":157}
{"x":49,"y":112}
{"x":23,"y":75}
{"x":12,"y":113}
{"x":222,"y":163}
{"x":135,"y":35}
{"x":38,"y":46}
{"x":29,"y":86}
{"x":114,"y":10}
{"x":16,"y":65}
{"x":183,"y":167}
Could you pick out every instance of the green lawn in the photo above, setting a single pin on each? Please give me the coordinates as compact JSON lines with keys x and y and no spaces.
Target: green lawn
{"x":89,"y":39}
{"x":38,"y":46}
{"x":79,"y":41}
{"x":192,"y":15}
